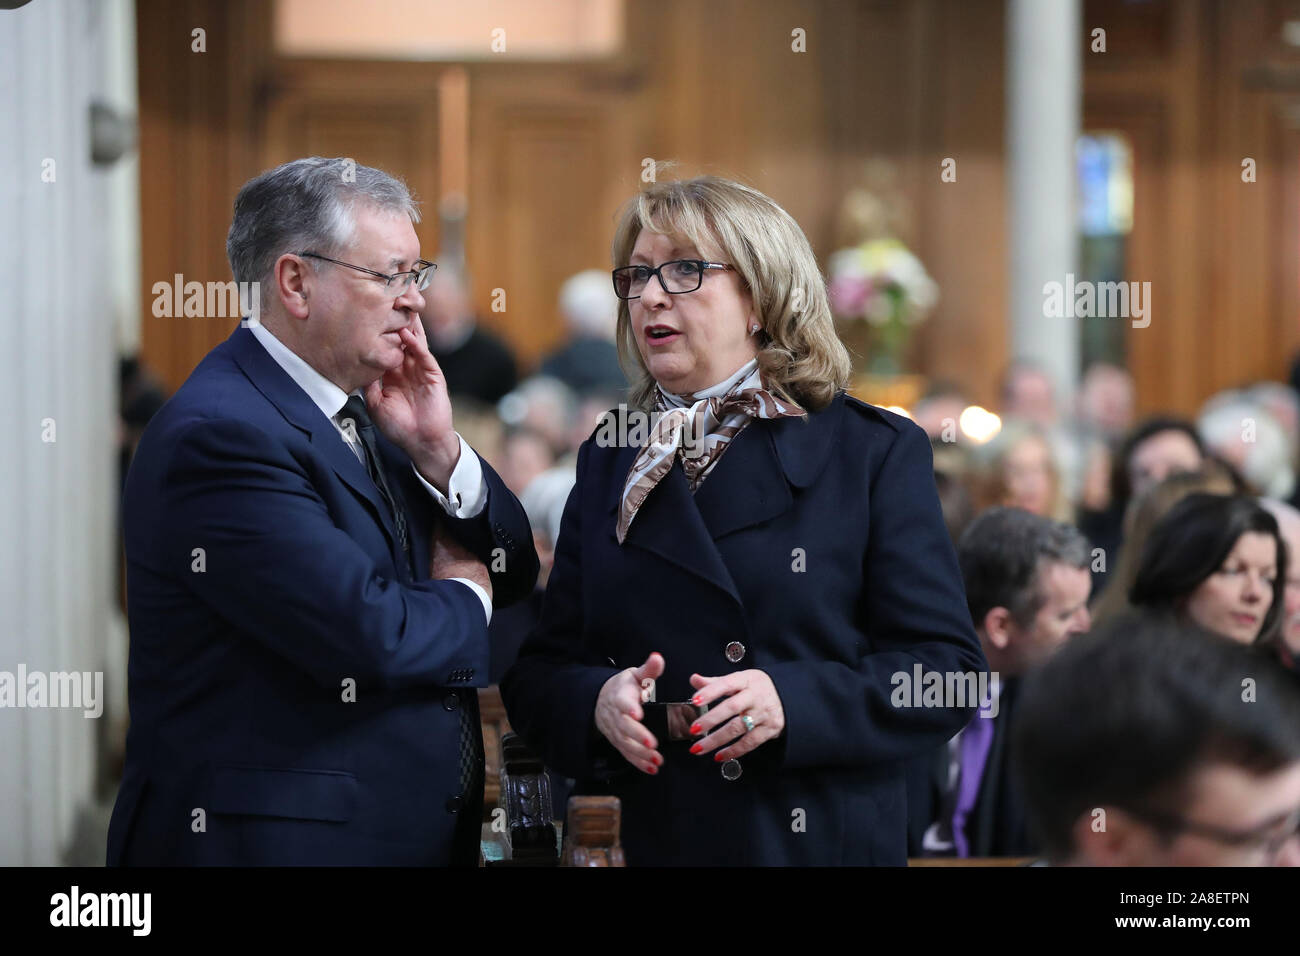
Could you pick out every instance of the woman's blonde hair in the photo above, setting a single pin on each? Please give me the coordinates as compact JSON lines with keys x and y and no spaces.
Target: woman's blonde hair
{"x":991,"y":483}
{"x":800,"y":356}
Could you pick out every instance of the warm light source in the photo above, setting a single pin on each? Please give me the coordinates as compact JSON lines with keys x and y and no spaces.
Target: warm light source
{"x":979,"y":424}
{"x":898,"y":410}
{"x":449,"y":30}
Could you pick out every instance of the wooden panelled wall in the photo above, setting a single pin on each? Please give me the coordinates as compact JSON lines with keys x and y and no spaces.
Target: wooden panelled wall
{"x":554,"y":148}
{"x":1199,"y":87}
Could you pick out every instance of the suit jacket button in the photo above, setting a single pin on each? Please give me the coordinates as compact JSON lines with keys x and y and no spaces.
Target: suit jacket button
{"x":455,"y":804}
{"x":451,"y":702}
{"x":735,"y":652}
{"x":731,"y":770}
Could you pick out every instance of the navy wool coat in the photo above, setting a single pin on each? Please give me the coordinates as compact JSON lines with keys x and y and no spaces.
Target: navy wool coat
{"x":296,"y":693}
{"x":818,"y":544}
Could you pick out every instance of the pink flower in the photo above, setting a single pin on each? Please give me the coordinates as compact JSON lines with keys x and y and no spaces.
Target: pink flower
{"x":848,"y":295}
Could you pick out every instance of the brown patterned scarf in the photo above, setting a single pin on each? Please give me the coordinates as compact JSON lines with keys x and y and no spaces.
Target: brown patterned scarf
{"x":698,"y":427}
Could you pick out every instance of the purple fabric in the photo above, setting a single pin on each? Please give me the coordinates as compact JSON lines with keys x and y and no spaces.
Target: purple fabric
{"x":976,"y":740}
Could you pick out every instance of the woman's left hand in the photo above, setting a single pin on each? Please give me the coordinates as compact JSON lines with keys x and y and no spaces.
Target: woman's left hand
{"x":751,"y":692}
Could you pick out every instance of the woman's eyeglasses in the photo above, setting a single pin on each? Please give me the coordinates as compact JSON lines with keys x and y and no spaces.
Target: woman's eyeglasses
{"x":676,"y":277}
{"x":398,"y":282}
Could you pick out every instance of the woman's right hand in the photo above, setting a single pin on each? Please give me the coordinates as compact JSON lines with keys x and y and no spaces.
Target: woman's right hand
{"x":619,"y":714}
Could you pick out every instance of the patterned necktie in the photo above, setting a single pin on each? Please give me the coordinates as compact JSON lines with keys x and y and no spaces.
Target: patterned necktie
{"x":355,"y":409}
{"x":699,"y":432}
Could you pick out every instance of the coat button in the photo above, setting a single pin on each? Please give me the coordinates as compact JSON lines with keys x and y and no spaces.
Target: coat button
{"x":735,"y":652}
{"x":731,"y":770}
{"x":451,"y":702}
{"x":455,"y":804}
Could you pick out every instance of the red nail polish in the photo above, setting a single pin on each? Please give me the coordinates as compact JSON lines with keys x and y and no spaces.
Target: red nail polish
{"x":718,"y":758}
{"x":652,"y":770}
{"x":695,"y":728}
{"x":697,"y":700}
{"x":649,"y":742}
{"x":696,"y":748}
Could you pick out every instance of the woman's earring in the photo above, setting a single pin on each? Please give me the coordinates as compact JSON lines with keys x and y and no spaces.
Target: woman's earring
{"x":753,"y":328}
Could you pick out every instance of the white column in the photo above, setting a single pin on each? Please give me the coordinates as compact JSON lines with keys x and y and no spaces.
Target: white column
{"x":1044,"y":105}
{"x":58,"y":484}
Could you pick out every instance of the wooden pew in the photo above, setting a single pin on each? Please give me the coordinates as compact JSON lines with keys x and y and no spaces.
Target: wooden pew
{"x":517,"y":826}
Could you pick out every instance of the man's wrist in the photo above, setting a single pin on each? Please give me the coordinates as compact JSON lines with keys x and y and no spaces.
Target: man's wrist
{"x":436,"y":462}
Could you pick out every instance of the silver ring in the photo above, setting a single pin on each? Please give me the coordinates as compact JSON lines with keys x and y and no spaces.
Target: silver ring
{"x":748,"y":721}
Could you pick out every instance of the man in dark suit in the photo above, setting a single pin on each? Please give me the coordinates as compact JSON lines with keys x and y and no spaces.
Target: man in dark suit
{"x":1027,"y":584}
{"x":312,"y":556}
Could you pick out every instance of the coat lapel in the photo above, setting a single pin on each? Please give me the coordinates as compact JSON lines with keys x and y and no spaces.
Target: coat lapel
{"x":669,"y":524}
{"x":750,"y":484}
{"x":301,"y":412}
{"x":746,"y":487}
{"x":752,"y":481}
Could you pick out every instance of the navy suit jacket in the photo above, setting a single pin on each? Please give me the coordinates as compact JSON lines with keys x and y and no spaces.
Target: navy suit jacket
{"x":819,"y":545}
{"x":294,"y":691}
{"x":997,"y":824}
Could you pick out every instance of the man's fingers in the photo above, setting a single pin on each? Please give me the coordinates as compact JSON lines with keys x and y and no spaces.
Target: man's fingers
{"x":418,"y":352}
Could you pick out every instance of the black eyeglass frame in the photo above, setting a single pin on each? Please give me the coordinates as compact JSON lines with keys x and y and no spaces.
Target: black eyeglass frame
{"x":1172,"y":824}
{"x":415,"y":274}
{"x":656,"y":273}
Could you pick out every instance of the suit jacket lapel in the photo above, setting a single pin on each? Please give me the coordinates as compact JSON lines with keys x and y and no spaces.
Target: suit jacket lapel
{"x":301,"y":412}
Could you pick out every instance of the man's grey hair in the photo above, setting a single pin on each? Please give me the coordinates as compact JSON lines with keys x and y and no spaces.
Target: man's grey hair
{"x":307,"y":204}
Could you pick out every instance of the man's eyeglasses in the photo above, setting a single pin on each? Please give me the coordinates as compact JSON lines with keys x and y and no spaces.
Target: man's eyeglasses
{"x":1271,"y":836}
{"x":676,"y":277}
{"x":398,"y":282}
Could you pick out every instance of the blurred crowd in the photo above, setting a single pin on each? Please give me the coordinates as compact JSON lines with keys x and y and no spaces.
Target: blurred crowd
{"x":1174,"y":542}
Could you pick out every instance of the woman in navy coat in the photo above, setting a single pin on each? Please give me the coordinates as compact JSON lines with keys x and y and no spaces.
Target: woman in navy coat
{"x":752,"y":570}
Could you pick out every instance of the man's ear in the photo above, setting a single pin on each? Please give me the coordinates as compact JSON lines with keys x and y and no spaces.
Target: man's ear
{"x":1107,"y":836}
{"x":999,"y":627}
{"x":291,"y":280}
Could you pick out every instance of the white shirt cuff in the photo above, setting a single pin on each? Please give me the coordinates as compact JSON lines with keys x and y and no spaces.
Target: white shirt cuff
{"x":466,"y":490}
{"x":482,"y":595}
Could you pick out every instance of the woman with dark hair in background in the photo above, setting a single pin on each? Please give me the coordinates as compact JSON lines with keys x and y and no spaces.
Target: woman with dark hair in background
{"x":1158,"y":447}
{"x":1219,"y":561}
{"x":1143,"y":514}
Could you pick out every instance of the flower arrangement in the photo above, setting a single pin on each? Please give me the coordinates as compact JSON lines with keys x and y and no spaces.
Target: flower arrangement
{"x":880,"y":284}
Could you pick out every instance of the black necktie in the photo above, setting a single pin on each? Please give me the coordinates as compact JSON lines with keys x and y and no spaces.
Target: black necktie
{"x":355,"y":409}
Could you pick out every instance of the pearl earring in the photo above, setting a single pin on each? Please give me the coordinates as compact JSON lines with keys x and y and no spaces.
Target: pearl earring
{"x":753,"y":329}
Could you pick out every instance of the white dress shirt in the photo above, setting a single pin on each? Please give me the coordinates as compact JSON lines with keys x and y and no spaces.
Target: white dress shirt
{"x":466,"y":490}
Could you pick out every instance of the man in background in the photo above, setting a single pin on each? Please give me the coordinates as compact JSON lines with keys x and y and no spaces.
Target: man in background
{"x":476,"y":363}
{"x":1027,"y":586}
{"x":1156,"y":743}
